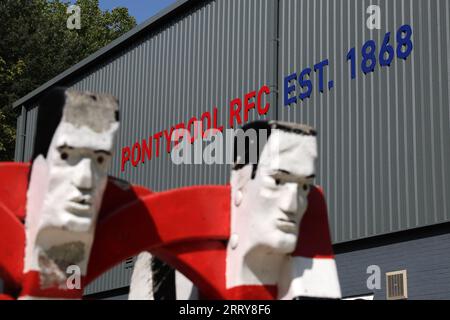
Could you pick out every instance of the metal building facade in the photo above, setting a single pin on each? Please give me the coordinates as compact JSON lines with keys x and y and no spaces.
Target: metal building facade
{"x":383,"y":137}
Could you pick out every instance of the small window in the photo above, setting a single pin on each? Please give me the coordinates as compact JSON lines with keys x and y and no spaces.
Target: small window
{"x":396,"y":285}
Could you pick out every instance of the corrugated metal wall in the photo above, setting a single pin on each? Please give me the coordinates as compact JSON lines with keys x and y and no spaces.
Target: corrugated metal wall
{"x":205,"y":59}
{"x":117,"y":277}
{"x":382,"y":137}
{"x":20,"y":135}
{"x":29,"y":133}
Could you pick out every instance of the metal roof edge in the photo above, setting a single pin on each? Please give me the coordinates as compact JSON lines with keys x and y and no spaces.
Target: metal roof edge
{"x":117,"y":43}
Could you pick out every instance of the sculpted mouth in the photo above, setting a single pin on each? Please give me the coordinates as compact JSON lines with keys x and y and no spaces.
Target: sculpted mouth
{"x":287,"y":225}
{"x":80,"y":206}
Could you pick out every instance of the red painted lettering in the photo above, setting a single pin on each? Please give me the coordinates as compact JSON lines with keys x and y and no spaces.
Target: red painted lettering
{"x":235,"y":113}
{"x":247,"y":104}
{"x":135,"y":158}
{"x":157,"y":136}
{"x":263,"y":90}
{"x":215,"y":117}
{"x":125,"y":157}
{"x":146,"y":150}
{"x":168,"y":136}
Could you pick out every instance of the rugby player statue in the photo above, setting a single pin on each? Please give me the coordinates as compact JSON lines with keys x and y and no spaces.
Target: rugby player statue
{"x":269,"y":200}
{"x":49,"y":209}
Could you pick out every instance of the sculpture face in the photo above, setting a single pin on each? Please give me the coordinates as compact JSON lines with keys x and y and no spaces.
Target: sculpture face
{"x":274,"y":201}
{"x":78,"y":161}
{"x":268,"y":205}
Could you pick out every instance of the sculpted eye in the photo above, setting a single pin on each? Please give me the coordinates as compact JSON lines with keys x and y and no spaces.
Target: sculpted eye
{"x":100,"y":159}
{"x":305,"y":187}
{"x":277,"y":181}
{"x":64,"y":155}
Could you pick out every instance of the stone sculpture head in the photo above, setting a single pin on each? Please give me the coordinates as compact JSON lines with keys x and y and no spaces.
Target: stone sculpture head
{"x":269,"y":197}
{"x":73,"y":150}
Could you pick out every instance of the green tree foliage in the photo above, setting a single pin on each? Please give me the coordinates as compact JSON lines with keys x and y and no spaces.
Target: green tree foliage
{"x":36,"y":45}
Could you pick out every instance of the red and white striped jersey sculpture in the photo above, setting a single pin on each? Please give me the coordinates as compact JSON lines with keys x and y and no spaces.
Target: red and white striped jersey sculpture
{"x":212,"y":234}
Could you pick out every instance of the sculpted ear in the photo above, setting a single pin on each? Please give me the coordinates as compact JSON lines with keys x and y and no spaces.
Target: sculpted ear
{"x":239,"y":178}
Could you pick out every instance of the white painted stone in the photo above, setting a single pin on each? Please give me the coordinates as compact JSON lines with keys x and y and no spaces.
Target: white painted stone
{"x":309,"y":277}
{"x":185,"y":289}
{"x":141,"y":286}
{"x":234,"y":241}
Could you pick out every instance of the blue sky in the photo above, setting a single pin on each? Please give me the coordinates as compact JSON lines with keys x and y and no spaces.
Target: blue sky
{"x":140,"y":9}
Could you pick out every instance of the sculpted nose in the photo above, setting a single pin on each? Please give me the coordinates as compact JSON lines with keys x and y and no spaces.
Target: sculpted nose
{"x":290,"y":198}
{"x":82,"y":178}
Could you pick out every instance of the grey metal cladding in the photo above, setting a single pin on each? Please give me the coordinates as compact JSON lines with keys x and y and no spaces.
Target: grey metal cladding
{"x":20,"y":135}
{"x":117,"y":277}
{"x":384,"y":144}
{"x":208,"y":57}
{"x":30,"y":128}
